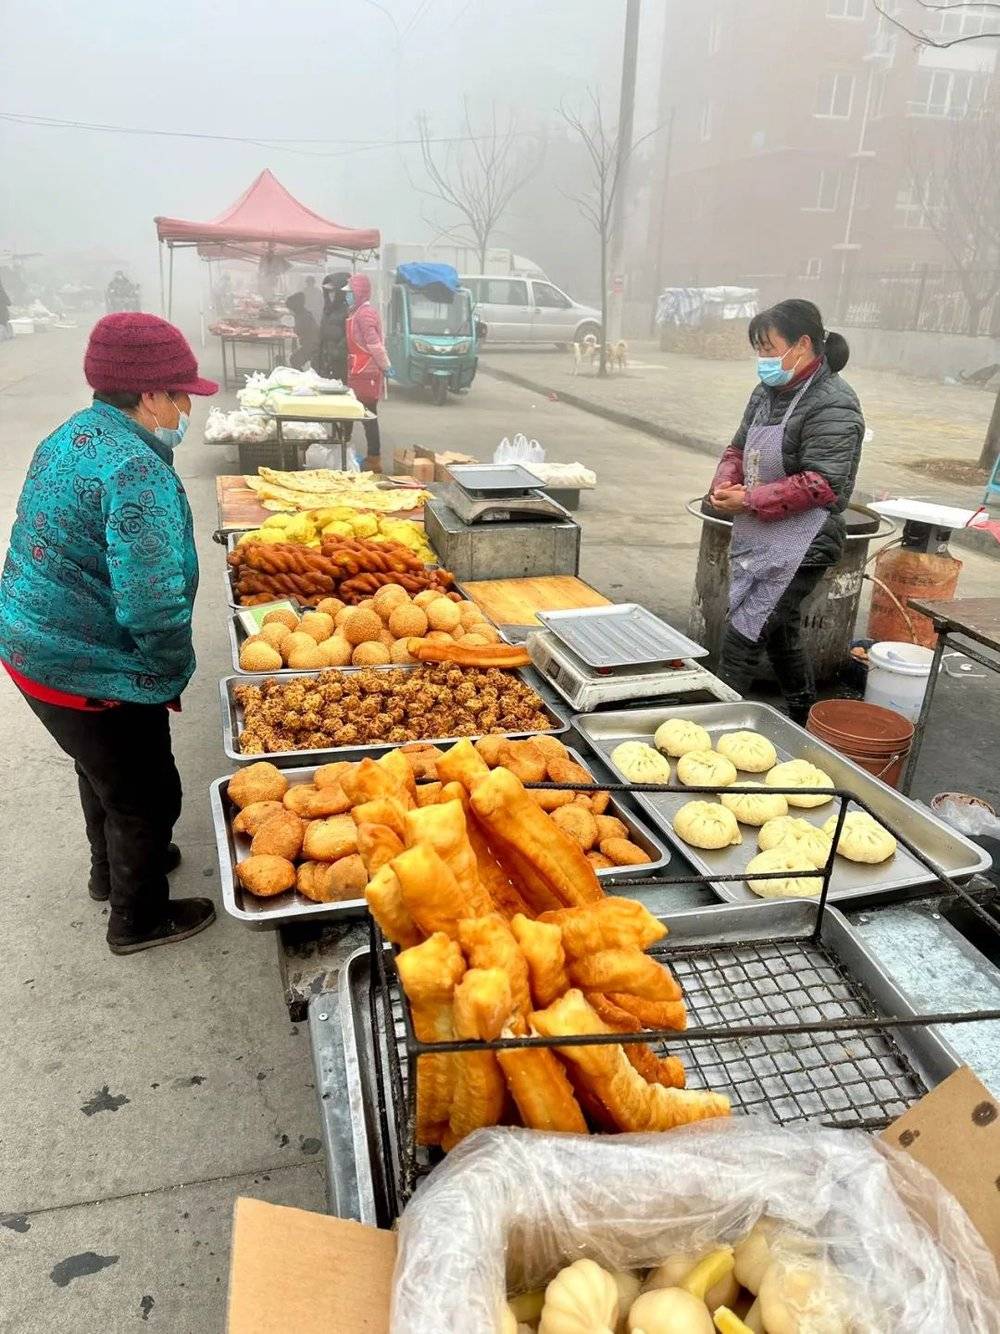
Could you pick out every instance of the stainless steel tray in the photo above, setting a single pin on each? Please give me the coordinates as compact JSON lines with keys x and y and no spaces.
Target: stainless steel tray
{"x":733,"y":971}
{"x":490,"y":479}
{"x":949,"y":850}
{"x":292,"y":906}
{"x":232,"y":720}
{"x":625,"y":635}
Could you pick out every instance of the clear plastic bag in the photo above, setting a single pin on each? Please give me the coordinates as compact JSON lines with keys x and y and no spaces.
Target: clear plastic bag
{"x":325,"y":456}
{"x":509,"y":1207}
{"x":519,"y":450}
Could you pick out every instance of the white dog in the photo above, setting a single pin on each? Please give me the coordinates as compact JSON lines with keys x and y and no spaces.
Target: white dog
{"x":617,"y":355}
{"x":585,"y":353}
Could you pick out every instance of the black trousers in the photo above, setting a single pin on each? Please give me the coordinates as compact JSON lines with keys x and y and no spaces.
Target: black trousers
{"x":373,"y":438}
{"x":781,"y":639}
{"x":130,"y":792}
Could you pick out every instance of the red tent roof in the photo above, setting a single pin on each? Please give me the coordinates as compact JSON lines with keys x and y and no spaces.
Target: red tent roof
{"x":267,"y":219}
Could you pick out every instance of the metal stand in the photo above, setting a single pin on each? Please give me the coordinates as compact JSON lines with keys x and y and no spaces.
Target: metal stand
{"x":273,"y":347}
{"x":340,"y":434}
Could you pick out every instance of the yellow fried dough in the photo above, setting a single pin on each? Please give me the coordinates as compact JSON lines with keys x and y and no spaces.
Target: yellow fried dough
{"x":488,"y":942}
{"x":551,"y":798}
{"x":433,"y":897}
{"x":327,"y":840}
{"x":524,"y":759}
{"x":614,"y":923}
{"x":329,"y":775}
{"x":599,"y":862}
{"x":650,"y":1013}
{"x":422,"y":759}
{"x":315,"y":803}
{"x":577,"y":821}
{"x":634,"y":1104}
{"x":502,"y":895}
{"x":377,"y":845}
{"x":517,"y":827}
{"x":444,"y":827}
{"x":482,"y":1006}
{"x":541,"y":1089}
{"x":429,"y":973}
{"x":488,"y":748}
{"x":462,"y":764}
{"x":369,"y":780}
{"x":262,"y":781}
{"x":384,"y":896}
{"x":665,"y":1070}
{"x":623,"y":852}
{"x":250,"y":818}
{"x":266,"y":875}
{"x":551,"y":747}
{"x":428,"y":794}
{"x":626,"y":970}
{"x":609,"y":826}
{"x":332,"y":882}
{"x":396,"y":765}
{"x":280,"y":836}
{"x":389,"y":811}
{"x":541,"y":944}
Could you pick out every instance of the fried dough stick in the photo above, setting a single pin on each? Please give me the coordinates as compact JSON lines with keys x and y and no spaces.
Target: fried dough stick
{"x":377,"y":844}
{"x":384,"y":896}
{"x":388,"y":811}
{"x":482,"y":1007}
{"x":462,"y":764}
{"x":634,"y":1104}
{"x":541,"y":1089}
{"x":627,"y":970}
{"x":541,"y":944}
{"x":488,"y":942}
{"x":432,"y":895}
{"x":444,"y":828}
{"x":504,"y":896}
{"x":649,"y":1013}
{"x":429,"y":973}
{"x":665,"y":1070}
{"x":613,"y":923}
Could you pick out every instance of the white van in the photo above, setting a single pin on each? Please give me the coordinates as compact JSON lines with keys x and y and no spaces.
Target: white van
{"x":529,"y":310}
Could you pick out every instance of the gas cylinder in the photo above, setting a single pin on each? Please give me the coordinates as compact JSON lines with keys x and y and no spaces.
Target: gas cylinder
{"x":921,"y":567}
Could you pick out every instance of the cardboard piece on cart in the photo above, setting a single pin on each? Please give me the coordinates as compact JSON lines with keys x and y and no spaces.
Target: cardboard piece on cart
{"x":404,"y":459}
{"x":295,"y":1272}
{"x":955,"y":1132}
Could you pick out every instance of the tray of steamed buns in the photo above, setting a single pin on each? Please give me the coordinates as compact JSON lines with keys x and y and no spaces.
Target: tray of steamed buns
{"x":746,"y":743}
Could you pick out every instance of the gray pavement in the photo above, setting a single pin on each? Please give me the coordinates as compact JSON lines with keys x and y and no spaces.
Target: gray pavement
{"x":140,"y":1096}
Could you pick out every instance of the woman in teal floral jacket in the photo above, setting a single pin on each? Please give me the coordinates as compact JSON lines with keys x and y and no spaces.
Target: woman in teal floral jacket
{"x":95,"y":615}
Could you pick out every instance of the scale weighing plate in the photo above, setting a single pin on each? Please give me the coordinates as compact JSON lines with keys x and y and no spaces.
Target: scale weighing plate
{"x":625,"y":635}
{"x":501,"y":504}
{"x":489,"y":479}
{"x":586,"y":688}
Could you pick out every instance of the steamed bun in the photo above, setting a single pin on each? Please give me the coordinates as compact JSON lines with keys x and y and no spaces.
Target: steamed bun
{"x":640,"y":763}
{"x":792,"y":831}
{"x":705,"y":768}
{"x":755,"y":807}
{"x":782,"y":858}
{"x":862,"y":838}
{"x":677,"y":736}
{"x":799,"y":773}
{"x":749,"y":751}
{"x":706,"y":824}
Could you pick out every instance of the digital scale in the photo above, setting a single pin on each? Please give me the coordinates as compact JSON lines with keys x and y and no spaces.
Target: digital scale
{"x":617,"y":654}
{"x":498,"y":492}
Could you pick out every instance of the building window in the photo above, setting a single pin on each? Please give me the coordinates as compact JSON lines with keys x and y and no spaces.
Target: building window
{"x":919,"y":205}
{"x":880,"y":84}
{"x":960,"y":22}
{"x":863,"y":190}
{"x":834,"y":96}
{"x":845,"y":9}
{"x":812,"y":268}
{"x":941,"y":92}
{"x":705,"y":128}
{"x":827,"y":191}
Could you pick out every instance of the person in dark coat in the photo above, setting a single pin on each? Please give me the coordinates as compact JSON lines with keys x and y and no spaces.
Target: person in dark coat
{"x":306,"y":331}
{"x":785,"y":481}
{"x":331,"y":356}
{"x":5,"y":330}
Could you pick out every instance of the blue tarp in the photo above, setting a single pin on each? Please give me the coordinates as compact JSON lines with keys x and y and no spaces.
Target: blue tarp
{"x":428,"y":275}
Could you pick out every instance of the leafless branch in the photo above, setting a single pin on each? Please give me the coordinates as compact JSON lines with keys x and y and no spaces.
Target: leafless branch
{"x":925,"y":38}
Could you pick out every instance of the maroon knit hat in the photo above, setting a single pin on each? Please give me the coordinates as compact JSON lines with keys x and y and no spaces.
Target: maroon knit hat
{"x":134,"y":353}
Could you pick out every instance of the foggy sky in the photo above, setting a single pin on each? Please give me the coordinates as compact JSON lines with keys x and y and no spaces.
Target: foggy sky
{"x":288,"y":69}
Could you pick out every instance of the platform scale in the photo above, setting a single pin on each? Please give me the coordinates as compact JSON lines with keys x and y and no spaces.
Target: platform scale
{"x":618,"y":654}
{"x":492,"y":521}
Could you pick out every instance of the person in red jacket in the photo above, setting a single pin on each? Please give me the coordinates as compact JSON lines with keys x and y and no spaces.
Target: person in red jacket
{"x":367,"y":362}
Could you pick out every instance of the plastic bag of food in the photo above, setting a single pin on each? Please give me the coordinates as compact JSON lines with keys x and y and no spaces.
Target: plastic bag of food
{"x":508,"y":1208}
{"x":325,"y":456}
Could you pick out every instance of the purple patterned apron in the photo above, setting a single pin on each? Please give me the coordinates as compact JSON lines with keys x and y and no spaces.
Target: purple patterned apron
{"x":763,"y":557}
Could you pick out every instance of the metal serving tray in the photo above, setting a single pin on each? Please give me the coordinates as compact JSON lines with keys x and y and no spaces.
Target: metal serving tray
{"x":625,"y":635}
{"x":489,"y":479}
{"x":292,"y":906}
{"x":232,"y":719}
{"x":734,"y":972}
{"x":949,"y":850}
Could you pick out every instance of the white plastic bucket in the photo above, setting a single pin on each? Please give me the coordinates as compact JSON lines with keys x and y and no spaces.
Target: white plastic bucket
{"x":897,"y":676}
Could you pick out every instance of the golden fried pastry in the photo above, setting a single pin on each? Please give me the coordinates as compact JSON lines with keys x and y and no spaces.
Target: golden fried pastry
{"x":431,"y":893}
{"x":665,"y":1070}
{"x":541,"y":1089}
{"x":281,"y":615}
{"x":257,"y":782}
{"x":652,"y":1014}
{"x":578,"y":822}
{"x":396,"y":765}
{"x":329,"y":775}
{"x":444,"y":827}
{"x":482,"y":1006}
{"x":377,"y":845}
{"x":489,"y":747}
{"x":331,"y":882}
{"x":627,"y":970}
{"x":368,"y":781}
{"x":551,"y":747}
{"x":462,"y":764}
{"x":524,"y":759}
{"x":552,"y":798}
{"x":546,"y":863}
{"x":423,"y":760}
{"x":317,"y":624}
{"x":613,"y":924}
{"x":383,"y":810}
{"x":541,"y":944}
{"x":266,"y":875}
{"x":280,"y":836}
{"x":314,"y":803}
{"x":329,"y":839}
{"x":384,"y":896}
{"x":599,"y":862}
{"x":429,"y":973}
{"x":250,"y":818}
{"x":609,"y":826}
{"x":634,"y":1104}
{"x":623,"y":852}
{"x":428,"y":794}
{"x":488,"y":942}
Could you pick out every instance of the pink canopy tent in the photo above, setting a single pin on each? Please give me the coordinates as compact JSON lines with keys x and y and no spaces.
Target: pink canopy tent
{"x":265,"y":222}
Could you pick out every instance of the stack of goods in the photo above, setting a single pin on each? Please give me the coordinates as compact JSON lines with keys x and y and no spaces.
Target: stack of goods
{"x":503,"y":930}
{"x":310,"y":527}
{"x":786,"y":843}
{"x":351,"y":569}
{"x":379,"y":707}
{"x":235,"y":329}
{"x":564,"y":476}
{"x":321,"y":488}
{"x":245,"y":426}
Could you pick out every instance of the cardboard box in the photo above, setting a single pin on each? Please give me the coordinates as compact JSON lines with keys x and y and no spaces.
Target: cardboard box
{"x":403,"y":460}
{"x":294,"y":1272}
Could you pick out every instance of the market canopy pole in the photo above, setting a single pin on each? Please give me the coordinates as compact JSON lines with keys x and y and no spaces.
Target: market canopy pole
{"x":163,"y":294}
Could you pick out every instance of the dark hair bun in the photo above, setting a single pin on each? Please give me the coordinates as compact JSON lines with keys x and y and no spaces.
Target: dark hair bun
{"x":837,"y":351}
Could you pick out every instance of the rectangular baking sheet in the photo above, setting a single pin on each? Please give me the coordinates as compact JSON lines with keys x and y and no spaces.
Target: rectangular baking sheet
{"x":489,"y":479}
{"x":738,"y":964}
{"x":232,"y":720}
{"x":292,"y":906}
{"x":625,"y":635}
{"x":955,"y":855}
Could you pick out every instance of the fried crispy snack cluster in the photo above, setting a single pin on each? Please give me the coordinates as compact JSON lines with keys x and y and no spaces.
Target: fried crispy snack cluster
{"x":351,"y":568}
{"x":360,"y":708}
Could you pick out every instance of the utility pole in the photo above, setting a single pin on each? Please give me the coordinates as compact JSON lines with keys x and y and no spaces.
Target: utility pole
{"x":658,"y":216}
{"x":626,"y":119}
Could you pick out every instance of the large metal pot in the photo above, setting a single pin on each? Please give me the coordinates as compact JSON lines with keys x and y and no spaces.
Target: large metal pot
{"x":828,"y":614}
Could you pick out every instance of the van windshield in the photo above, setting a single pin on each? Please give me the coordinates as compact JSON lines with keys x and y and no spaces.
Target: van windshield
{"x":434,"y":317}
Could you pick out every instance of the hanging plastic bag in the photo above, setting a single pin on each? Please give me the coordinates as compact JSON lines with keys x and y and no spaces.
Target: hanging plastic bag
{"x":325,"y":456}
{"x":502,"y":453}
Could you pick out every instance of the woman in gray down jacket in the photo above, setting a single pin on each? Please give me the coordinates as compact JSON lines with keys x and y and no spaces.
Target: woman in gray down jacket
{"x":785,"y":481}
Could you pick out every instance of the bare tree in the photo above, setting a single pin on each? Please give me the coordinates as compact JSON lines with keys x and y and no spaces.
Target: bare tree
{"x":477,"y":175}
{"x":942,"y":43}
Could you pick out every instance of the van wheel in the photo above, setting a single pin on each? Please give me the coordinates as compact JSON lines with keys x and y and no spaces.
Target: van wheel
{"x":439,"y":393}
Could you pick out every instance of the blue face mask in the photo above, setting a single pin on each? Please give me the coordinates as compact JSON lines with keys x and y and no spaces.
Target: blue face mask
{"x":172,"y":436}
{"x":349,"y":298}
{"x":771,"y":372}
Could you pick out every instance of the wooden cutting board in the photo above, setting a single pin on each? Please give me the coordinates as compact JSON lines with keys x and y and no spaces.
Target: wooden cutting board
{"x":515,"y":601}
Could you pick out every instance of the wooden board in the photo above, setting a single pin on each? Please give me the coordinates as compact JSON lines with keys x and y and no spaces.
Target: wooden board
{"x":977,"y":618}
{"x":239,"y":507}
{"x":515,"y":601}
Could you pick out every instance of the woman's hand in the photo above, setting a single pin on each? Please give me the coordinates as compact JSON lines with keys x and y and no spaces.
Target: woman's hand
{"x":729,"y":499}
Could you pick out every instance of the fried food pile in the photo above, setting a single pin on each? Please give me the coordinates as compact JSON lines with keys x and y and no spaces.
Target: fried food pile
{"x":310,"y":527}
{"x":378,"y":706}
{"x":327,"y":488}
{"x":350,"y":568}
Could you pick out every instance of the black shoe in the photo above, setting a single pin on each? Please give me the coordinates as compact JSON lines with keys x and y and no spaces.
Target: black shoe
{"x":101,"y":893}
{"x":184,"y":918}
